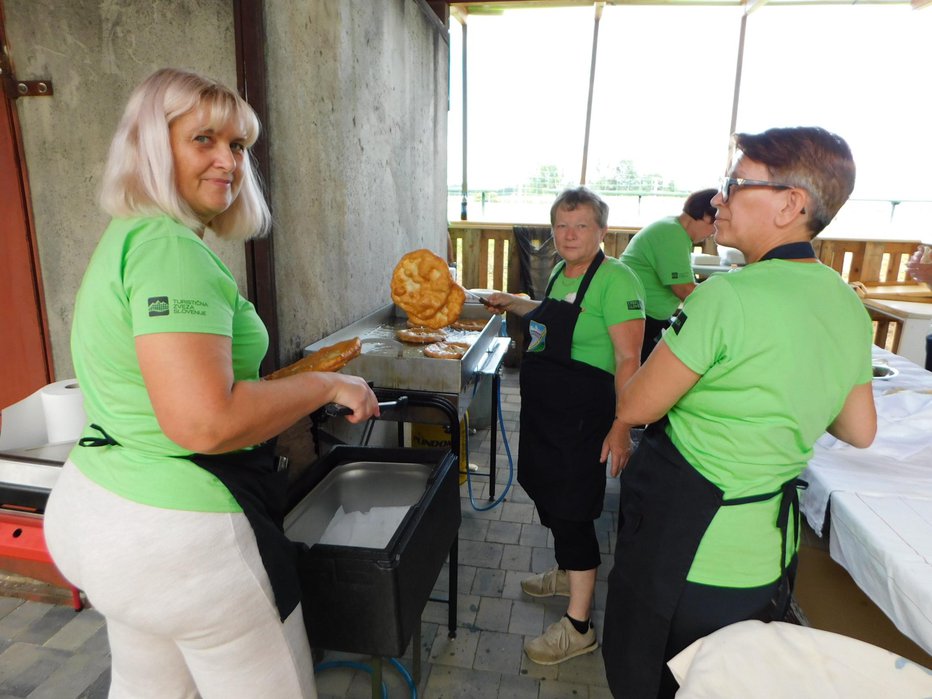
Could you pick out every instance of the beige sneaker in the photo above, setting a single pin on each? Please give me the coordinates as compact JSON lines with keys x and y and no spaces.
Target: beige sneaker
{"x":560,"y":642}
{"x":553,"y":582}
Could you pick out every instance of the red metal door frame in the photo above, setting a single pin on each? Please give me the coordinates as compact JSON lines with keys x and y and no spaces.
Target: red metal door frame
{"x":25,"y":349}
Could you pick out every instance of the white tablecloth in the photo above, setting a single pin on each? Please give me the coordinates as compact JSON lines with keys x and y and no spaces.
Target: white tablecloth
{"x":899,"y":462}
{"x":881,"y":500}
{"x":885,"y":543}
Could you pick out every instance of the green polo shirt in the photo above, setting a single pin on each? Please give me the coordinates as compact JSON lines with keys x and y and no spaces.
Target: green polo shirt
{"x":778,"y":346}
{"x":152,"y":275}
{"x":614,"y":296}
{"x":660,"y":255}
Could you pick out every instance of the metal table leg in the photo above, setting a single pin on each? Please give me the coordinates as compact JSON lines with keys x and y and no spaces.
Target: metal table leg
{"x":377,"y":677}
{"x":416,"y":655}
{"x":454,"y":581}
{"x":493,"y":437}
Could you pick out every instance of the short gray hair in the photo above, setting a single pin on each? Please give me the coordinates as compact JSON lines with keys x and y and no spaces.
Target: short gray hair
{"x":571,"y":199}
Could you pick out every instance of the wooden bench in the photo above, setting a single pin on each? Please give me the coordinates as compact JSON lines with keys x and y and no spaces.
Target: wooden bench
{"x":901,"y":326}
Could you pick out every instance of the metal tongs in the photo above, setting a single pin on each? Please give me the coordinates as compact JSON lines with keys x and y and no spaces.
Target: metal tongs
{"x":335,"y":409}
{"x":481,"y":300}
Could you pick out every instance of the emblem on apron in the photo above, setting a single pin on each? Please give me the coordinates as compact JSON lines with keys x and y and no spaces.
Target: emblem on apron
{"x":538,"y":333}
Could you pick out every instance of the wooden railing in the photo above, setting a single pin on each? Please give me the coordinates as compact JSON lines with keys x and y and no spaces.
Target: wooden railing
{"x":880,"y":267}
{"x":871,"y":262}
{"x":487,"y":258}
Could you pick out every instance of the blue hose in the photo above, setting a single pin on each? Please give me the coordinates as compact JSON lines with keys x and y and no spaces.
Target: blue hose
{"x":511,"y":466}
{"x":405,"y":675}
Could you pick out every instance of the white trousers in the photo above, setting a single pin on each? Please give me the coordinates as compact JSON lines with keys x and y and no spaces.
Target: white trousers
{"x":188,"y":604}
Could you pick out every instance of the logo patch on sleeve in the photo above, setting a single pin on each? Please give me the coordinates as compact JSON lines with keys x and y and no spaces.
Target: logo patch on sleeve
{"x":635,"y":305}
{"x":675,"y":275}
{"x":679,"y":320}
{"x":158,"y":306}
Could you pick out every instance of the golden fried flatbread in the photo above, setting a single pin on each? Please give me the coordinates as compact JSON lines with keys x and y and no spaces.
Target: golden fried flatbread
{"x":421,"y":283}
{"x":330,"y":358}
{"x":446,"y":350}
{"x":449,"y":313}
{"x":469,"y":324}
{"x":420,"y":335}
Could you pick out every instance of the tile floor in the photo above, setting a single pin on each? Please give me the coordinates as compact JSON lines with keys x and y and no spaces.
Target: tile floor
{"x":49,"y":651}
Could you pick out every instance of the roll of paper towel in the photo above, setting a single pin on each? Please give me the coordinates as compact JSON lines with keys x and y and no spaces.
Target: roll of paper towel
{"x":54,"y":413}
{"x":63,"y":406}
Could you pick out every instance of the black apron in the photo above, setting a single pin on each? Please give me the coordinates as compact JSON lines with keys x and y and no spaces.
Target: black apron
{"x":259,"y":488}
{"x":665,"y":507}
{"x":567,"y":408}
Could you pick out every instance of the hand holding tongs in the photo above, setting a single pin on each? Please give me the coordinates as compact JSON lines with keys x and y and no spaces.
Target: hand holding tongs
{"x":476,"y":296}
{"x":335,"y":409}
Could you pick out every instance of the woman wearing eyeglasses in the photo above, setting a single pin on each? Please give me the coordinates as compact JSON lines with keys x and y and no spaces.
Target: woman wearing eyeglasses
{"x":759,"y":363}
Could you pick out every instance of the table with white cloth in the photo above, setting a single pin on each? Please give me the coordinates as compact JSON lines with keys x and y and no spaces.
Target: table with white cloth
{"x":877,"y":502}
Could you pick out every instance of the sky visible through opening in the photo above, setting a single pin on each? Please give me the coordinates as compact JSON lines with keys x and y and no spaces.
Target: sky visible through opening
{"x":662,"y":105}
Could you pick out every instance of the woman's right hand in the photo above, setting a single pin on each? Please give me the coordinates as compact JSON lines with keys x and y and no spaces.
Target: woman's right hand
{"x":355,"y":394}
{"x":519,"y":304}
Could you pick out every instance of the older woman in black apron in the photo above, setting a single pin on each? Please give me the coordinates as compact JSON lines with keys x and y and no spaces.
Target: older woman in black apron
{"x":757,"y":365}
{"x":582,"y":343}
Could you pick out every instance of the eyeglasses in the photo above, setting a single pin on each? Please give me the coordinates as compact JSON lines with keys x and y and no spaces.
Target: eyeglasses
{"x":729,"y":182}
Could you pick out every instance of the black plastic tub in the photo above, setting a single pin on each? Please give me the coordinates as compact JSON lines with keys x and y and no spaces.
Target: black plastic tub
{"x":366,"y":592}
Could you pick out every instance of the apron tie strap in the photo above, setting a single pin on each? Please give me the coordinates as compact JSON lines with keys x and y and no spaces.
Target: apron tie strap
{"x":104,"y":441}
{"x":789,"y":501}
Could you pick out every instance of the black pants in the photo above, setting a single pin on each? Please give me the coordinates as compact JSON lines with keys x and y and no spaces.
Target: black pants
{"x":703,"y":609}
{"x":928,"y":352}
{"x":652,"y":330}
{"x":575,"y":544}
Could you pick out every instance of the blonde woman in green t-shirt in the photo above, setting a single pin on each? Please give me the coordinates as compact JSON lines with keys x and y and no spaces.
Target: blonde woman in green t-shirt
{"x":758,"y":364}
{"x":194,"y":580}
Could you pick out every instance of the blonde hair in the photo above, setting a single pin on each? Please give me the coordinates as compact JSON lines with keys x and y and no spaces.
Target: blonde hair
{"x":139,"y":178}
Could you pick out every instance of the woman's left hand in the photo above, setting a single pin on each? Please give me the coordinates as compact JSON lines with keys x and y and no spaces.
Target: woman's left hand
{"x":617,"y":447}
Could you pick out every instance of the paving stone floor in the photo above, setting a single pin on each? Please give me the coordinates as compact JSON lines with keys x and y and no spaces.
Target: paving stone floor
{"x":50,"y":652}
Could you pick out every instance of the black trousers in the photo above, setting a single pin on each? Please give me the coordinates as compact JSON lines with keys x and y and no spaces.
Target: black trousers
{"x":575,"y":544}
{"x":928,"y":352}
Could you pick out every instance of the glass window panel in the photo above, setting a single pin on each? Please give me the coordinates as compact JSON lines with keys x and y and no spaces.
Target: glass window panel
{"x":528,"y":81}
{"x":661,"y":107}
{"x":858,"y":71}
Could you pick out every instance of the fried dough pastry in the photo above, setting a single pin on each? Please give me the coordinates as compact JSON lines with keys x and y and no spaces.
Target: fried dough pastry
{"x":448,"y":313}
{"x":330,"y":358}
{"x":469,"y":324}
{"x":421,"y":283}
{"x":420,"y":335}
{"x":446,"y":350}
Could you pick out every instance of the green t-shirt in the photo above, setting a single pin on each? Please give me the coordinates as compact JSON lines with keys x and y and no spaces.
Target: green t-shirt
{"x":614,"y":296}
{"x":152,"y":275}
{"x":659,"y":254}
{"x":778,"y":345}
